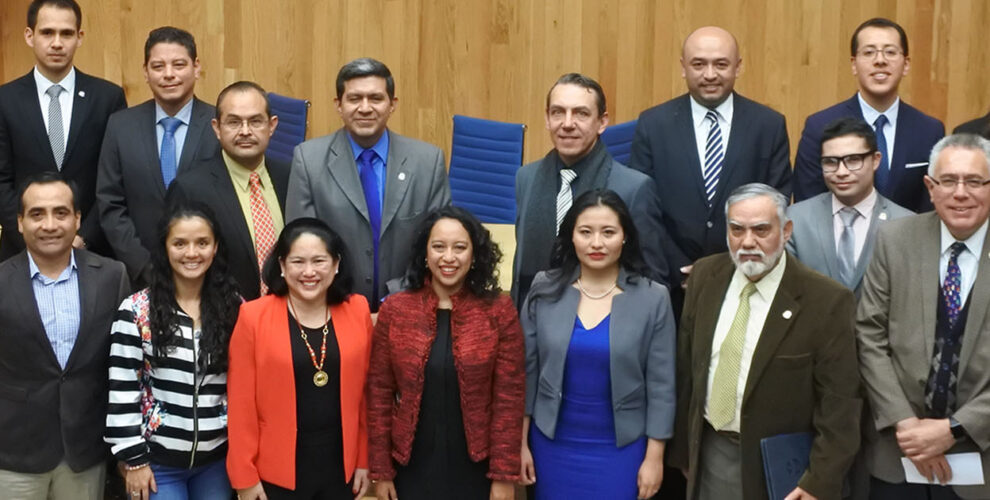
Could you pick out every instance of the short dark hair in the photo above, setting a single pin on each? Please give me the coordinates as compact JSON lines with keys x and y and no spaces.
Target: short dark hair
{"x":169,"y":34}
{"x":584,"y":82}
{"x":850,"y":126}
{"x":46,"y":177}
{"x":36,"y":5}
{"x":879,"y":22}
{"x":244,"y":86}
{"x":343,"y":282}
{"x":363,"y":67}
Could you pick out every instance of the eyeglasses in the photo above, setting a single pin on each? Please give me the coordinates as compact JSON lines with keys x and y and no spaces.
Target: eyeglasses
{"x":949,"y":183}
{"x":889,"y":53}
{"x":235,"y":124}
{"x":852,"y":162}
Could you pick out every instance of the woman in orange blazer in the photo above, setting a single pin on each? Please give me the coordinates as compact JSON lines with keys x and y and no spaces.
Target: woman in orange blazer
{"x":298,"y":363}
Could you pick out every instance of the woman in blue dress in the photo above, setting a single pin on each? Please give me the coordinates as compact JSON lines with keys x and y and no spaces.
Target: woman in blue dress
{"x":599,"y":362}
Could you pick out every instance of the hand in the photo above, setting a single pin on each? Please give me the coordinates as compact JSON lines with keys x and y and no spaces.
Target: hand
{"x":78,"y":242}
{"x":799,"y":494}
{"x":140,"y":483}
{"x":686,"y":271}
{"x":924,"y":439}
{"x":502,"y":490}
{"x":361,"y":483}
{"x":527,"y":475}
{"x":385,"y":490}
{"x":649,"y":478}
{"x":255,"y":492}
{"x":933,"y":469}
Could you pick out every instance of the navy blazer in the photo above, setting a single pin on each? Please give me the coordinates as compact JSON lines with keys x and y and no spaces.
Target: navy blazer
{"x":913,"y":141}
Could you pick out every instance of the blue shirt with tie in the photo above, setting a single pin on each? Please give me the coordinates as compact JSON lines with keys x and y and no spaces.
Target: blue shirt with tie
{"x":379,"y":163}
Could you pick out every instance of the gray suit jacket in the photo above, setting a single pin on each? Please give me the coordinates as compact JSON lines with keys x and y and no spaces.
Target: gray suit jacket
{"x":324,"y":183}
{"x":641,"y":356}
{"x":813,"y":239}
{"x":895,"y":329}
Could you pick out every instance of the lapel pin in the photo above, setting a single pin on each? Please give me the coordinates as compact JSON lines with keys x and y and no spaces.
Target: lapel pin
{"x":787,"y":314}
{"x":82,"y":93}
{"x":883,"y":216}
{"x":402,"y":176}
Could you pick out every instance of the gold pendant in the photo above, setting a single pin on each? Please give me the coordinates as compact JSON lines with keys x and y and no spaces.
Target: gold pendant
{"x":320,"y":378}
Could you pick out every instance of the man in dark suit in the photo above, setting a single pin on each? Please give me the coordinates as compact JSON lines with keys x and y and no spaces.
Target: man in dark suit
{"x":147,"y":146}
{"x":765,"y":347}
{"x":905,"y":135}
{"x":55,"y":313}
{"x":978,"y":126}
{"x":700,"y":146}
{"x":39,"y":133}
{"x":371,"y":185}
{"x":576,"y":114}
{"x":245,"y":190}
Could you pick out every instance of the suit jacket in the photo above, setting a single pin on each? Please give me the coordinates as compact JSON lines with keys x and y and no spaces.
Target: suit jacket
{"x":209,"y":182}
{"x":130,"y":191}
{"x":895,"y":328}
{"x":261,"y":426}
{"x":804,"y":363}
{"x":665,"y":148}
{"x":813,"y":238}
{"x":641,"y":355}
{"x":25,"y":150}
{"x":979,"y":126}
{"x":915,"y":136}
{"x":51,"y":414}
{"x":324,"y":183}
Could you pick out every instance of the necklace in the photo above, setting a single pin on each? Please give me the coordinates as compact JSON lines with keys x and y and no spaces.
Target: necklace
{"x":596,"y":297}
{"x":320,"y":378}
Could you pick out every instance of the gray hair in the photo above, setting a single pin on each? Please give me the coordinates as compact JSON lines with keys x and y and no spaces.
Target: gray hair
{"x":756,"y":189}
{"x":964,"y":141}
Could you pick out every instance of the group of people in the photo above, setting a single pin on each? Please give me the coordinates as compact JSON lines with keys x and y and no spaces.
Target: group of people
{"x":221,"y":322}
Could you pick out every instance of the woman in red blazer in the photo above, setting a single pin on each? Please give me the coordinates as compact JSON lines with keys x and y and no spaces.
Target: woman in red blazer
{"x":298,"y":363}
{"x":449,"y":344}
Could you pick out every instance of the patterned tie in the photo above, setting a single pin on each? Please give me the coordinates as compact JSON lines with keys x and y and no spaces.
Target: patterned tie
{"x":56,"y":132}
{"x":264,"y":228}
{"x":847,"y":246}
{"x":722,"y":403}
{"x":564,"y":196}
{"x":882,"y":177}
{"x":167,"y":155}
{"x":940,"y":391}
{"x":369,"y":183}
{"x":713,"y":156}
{"x":951,"y":286}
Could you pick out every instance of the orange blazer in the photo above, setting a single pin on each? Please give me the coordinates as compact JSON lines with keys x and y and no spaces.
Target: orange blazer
{"x":261,"y":394}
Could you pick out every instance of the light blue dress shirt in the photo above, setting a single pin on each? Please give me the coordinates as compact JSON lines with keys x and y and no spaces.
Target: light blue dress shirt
{"x":185,"y":116}
{"x":58,"y":305}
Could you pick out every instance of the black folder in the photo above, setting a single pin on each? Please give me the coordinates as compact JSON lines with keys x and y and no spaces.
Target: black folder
{"x":785,"y":458}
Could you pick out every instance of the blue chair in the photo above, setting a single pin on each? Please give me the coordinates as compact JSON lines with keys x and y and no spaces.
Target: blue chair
{"x":618,"y":140}
{"x":484,"y":157}
{"x":291,"y":128}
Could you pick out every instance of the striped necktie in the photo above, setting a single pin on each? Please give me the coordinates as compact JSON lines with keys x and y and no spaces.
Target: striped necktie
{"x":564,"y":196}
{"x":714,"y":155}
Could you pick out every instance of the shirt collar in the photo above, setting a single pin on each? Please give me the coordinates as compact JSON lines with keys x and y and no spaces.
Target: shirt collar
{"x":768,"y":284}
{"x":870,"y":114}
{"x":241,"y":175}
{"x":724,"y":110}
{"x":974,"y":244}
{"x":184,"y":115}
{"x":380,"y":147}
{"x":864,"y":207}
{"x":34,"y":271}
{"x":68,"y":83}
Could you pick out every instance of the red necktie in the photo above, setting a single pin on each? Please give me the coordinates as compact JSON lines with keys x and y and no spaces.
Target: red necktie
{"x":264,"y":228}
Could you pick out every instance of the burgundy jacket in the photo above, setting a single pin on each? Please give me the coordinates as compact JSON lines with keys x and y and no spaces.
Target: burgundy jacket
{"x":489,"y":356}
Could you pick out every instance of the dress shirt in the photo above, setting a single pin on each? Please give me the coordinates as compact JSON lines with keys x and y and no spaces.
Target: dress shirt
{"x":240,"y":176}
{"x":861,"y":225}
{"x":968,"y":260}
{"x":890,"y":129}
{"x":759,"y":306}
{"x":701,"y":126}
{"x":379,"y":164}
{"x":58,"y":306}
{"x":64,"y":99}
{"x":184,"y":115}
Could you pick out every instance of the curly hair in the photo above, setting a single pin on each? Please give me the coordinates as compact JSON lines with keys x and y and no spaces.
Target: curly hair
{"x":343,"y":282}
{"x":482,"y":278}
{"x":219,"y":297}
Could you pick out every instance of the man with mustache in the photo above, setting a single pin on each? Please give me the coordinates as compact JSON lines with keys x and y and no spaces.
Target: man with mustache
{"x":765,"y":347}
{"x":905,"y":135}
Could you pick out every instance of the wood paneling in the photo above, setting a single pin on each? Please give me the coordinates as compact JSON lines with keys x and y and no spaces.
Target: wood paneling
{"x":497,"y":58}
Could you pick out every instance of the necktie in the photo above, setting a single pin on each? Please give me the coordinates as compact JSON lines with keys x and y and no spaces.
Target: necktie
{"x":56,"y":132}
{"x":940,"y":391}
{"x":167,"y":155}
{"x":564,"y":196}
{"x":264,"y":228}
{"x":951,"y":285}
{"x":722,"y":403}
{"x":847,"y":246}
{"x":714,"y":155}
{"x":369,"y":183}
{"x":882,"y":177}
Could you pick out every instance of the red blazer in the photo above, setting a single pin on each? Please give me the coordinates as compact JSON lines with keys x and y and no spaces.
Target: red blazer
{"x":261,"y":392}
{"x":489,"y":355}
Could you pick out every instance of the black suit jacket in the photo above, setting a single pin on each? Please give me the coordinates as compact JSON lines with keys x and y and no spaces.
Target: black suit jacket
{"x":979,"y":126}
{"x":25,"y":150}
{"x":130,"y":191}
{"x":210,"y":183}
{"x":49,"y":414}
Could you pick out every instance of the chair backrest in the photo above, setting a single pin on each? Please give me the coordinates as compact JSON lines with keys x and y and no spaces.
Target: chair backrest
{"x":484,"y":158}
{"x":618,"y":140}
{"x":291,"y":128}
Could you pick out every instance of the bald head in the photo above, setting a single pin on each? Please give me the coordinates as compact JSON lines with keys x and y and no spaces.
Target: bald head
{"x":710,"y":63}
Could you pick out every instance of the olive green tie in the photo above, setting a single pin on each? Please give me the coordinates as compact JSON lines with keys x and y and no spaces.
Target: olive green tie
{"x":722,"y":404}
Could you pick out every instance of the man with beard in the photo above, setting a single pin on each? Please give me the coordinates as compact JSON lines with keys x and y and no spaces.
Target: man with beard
{"x":766,"y":347}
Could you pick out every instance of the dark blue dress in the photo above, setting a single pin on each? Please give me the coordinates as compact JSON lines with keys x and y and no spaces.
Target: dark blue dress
{"x":582,"y":460}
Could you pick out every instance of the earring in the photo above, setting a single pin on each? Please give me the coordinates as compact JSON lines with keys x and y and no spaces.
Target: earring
{"x":336,"y":271}
{"x":623,"y":242}
{"x":282,"y":274}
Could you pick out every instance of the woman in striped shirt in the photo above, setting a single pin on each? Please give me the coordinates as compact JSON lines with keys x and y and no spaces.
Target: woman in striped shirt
{"x":167,"y":418}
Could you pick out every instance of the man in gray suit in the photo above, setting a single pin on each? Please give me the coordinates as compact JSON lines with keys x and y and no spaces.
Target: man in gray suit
{"x":834,"y":232}
{"x":575,"y":116}
{"x":921,"y":327}
{"x":372,"y":186}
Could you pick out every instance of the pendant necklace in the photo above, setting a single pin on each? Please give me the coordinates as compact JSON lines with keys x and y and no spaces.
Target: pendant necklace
{"x":320,"y":378}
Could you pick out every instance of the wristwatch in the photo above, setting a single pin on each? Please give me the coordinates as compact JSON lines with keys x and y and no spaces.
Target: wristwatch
{"x":958,"y":432}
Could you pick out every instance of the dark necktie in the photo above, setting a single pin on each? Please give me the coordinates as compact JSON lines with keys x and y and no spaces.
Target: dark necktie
{"x":167,"y":156}
{"x":882,"y":177}
{"x":369,"y":183}
{"x":940,"y":391}
{"x":714,"y":154}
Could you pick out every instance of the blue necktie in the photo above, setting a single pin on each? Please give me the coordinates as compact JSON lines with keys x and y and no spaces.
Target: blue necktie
{"x":369,"y":183}
{"x":882,"y":177}
{"x":713,"y":156}
{"x":167,"y":155}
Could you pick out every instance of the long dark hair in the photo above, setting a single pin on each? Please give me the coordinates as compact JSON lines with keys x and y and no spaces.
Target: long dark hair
{"x":343,"y":282}
{"x":219,"y":299}
{"x":482,"y":278}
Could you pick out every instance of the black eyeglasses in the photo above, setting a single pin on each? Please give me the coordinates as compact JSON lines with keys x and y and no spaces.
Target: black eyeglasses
{"x":852,"y":162}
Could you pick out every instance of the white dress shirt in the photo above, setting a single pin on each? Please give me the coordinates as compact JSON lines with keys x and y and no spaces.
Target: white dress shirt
{"x":968,"y":260}
{"x":701,"y":125}
{"x":185,"y":116}
{"x":64,"y":99}
{"x":861,"y":224}
{"x":890,"y":129}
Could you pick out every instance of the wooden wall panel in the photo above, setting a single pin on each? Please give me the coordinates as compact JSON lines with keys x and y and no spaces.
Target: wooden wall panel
{"x":497,"y":58}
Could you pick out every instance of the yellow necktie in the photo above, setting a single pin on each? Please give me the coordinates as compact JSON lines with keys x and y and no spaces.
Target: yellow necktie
{"x":722,"y":403}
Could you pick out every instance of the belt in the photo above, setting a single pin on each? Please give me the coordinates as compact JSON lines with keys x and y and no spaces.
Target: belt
{"x":732,"y":436}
